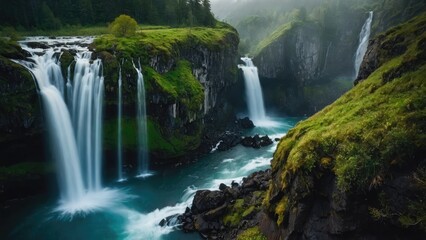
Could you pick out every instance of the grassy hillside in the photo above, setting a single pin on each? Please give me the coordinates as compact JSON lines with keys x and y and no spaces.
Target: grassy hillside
{"x":367,"y":138}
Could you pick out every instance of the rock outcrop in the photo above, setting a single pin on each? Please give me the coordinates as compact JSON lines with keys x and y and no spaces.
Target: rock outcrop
{"x":229,"y":212}
{"x":299,"y":66}
{"x":356,"y":169}
{"x":186,"y":78}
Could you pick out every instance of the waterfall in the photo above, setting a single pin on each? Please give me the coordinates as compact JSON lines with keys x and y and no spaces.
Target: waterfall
{"x":364,"y":36}
{"x":143,"y":159}
{"x":253,"y":92}
{"x":59,"y":125}
{"x":87,"y":116}
{"x":75,"y":131}
{"x":119,"y":129}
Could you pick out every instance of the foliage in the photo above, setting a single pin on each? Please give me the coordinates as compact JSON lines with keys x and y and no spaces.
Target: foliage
{"x":251,"y":234}
{"x":243,"y":209}
{"x":181,"y":85}
{"x":374,"y":124}
{"x":163,"y":40}
{"x":51,"y":14}
{"x":274,"y":36}
{"x":22,"y":169}
{"x":123,"y":26}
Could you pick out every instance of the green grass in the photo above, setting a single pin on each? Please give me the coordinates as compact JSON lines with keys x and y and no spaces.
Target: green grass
{"x":372,"y":124}
{"x":251,"y":234}
{"x":163,"y":40}
{"x":275,"y":36}
{"x":180,"y":85}
{"x":373,"y":128}
{"x":159,"y":143}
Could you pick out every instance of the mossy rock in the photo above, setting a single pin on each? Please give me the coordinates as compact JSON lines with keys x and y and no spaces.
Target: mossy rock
{"x":161,"y":145}
{"x":251,"y":234}
{"x":368,"y":136}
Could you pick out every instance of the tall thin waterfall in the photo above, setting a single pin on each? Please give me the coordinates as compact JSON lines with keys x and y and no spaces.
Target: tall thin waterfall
{"x":253,"y":91}
{"x":119,"y":129}
{"x":364,"y":36}
{"x":75,"y":130}
{"x":143,"y":158}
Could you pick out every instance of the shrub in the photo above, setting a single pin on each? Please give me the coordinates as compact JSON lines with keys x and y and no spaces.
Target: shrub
{"x":123,"y":26}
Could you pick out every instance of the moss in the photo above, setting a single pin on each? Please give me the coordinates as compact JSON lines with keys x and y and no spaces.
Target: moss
{"x":373,"y":125}
{"x":251,"y":234}
{"x":159,"y":143}
{"x":129,"y":133}
{"x":161,"y":41}
{"x":23,"y":169}
{"x":235,"y":211}
{"x":10,"y":49}
{"x":280,"y":210}
{"x":179,"y":85}
{"x":277,"y":34}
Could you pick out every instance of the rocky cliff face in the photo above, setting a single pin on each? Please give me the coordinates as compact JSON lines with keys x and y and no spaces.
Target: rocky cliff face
{"x":20,"y":119}
{"x":308,"y":54}
{"x":357,"y":168}
{"x":186,"y":82}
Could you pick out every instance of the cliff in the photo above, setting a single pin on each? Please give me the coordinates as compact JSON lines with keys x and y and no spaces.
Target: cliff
{"x":186,"y":73}
{"x":21,"y":128}
{"x":306,"y":65}
{"x":357,"y":168}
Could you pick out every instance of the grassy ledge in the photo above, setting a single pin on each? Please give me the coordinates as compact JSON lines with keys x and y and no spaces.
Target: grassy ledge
{"x":372,"y":131}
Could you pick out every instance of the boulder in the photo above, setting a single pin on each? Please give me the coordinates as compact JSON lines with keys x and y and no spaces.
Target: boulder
{"x":246,"y":123}
{"x":207,"y":200}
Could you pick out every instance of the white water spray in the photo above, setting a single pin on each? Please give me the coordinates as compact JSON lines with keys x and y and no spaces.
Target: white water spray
{"x":254,"y":94}
{"x":364,"y":36}
{"x":75,"y":131}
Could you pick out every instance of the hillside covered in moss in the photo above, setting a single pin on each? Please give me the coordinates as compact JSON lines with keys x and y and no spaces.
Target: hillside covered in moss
{"x":186,"y":71}
{"x":357,"y":168}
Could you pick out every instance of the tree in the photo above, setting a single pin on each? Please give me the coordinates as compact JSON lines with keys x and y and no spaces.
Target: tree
{"x":208,"y":19}
{"x":123,"y":26}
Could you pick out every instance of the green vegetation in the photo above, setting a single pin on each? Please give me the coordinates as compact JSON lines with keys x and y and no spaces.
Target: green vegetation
{"x":251,"y":234}
{"x":23,"y":169}
{"x":180,"y":85}
{"x":376,"y":127}
{"x":163,"y":41}
{"x":129,"y":133}
{"x":52,"y":14}
{"x":243,"y":208}
{"x":274,"y":36}
{"x":323,"y":93}
{"x":123,"y":26}
{"x":160,"y":144}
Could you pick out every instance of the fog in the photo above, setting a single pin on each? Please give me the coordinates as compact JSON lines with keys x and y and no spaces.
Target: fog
{"x":234,"y":10}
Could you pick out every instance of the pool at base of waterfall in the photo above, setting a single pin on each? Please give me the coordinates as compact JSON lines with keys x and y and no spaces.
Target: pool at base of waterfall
{"x":143,"y":202}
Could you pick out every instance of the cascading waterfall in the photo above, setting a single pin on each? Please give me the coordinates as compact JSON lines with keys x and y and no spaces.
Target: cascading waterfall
{"x":143,"y":159}
{"x":75,"y":131}
{"x":59,"y":125}
{"x":364,"y":36}
{"x":87,"y":116}
{"x":119,"y":129}
{"x":253,"y":91}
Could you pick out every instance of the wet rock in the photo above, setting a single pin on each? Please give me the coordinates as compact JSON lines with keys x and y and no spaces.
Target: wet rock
{"x":256,"y":141}
{"x":222,"y":187}
{"x":37,"y":45}
{"x":229,"y":140}
{"x":206,"y":200}
{"x":216,"y":213}
{"x":246,"y":123}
